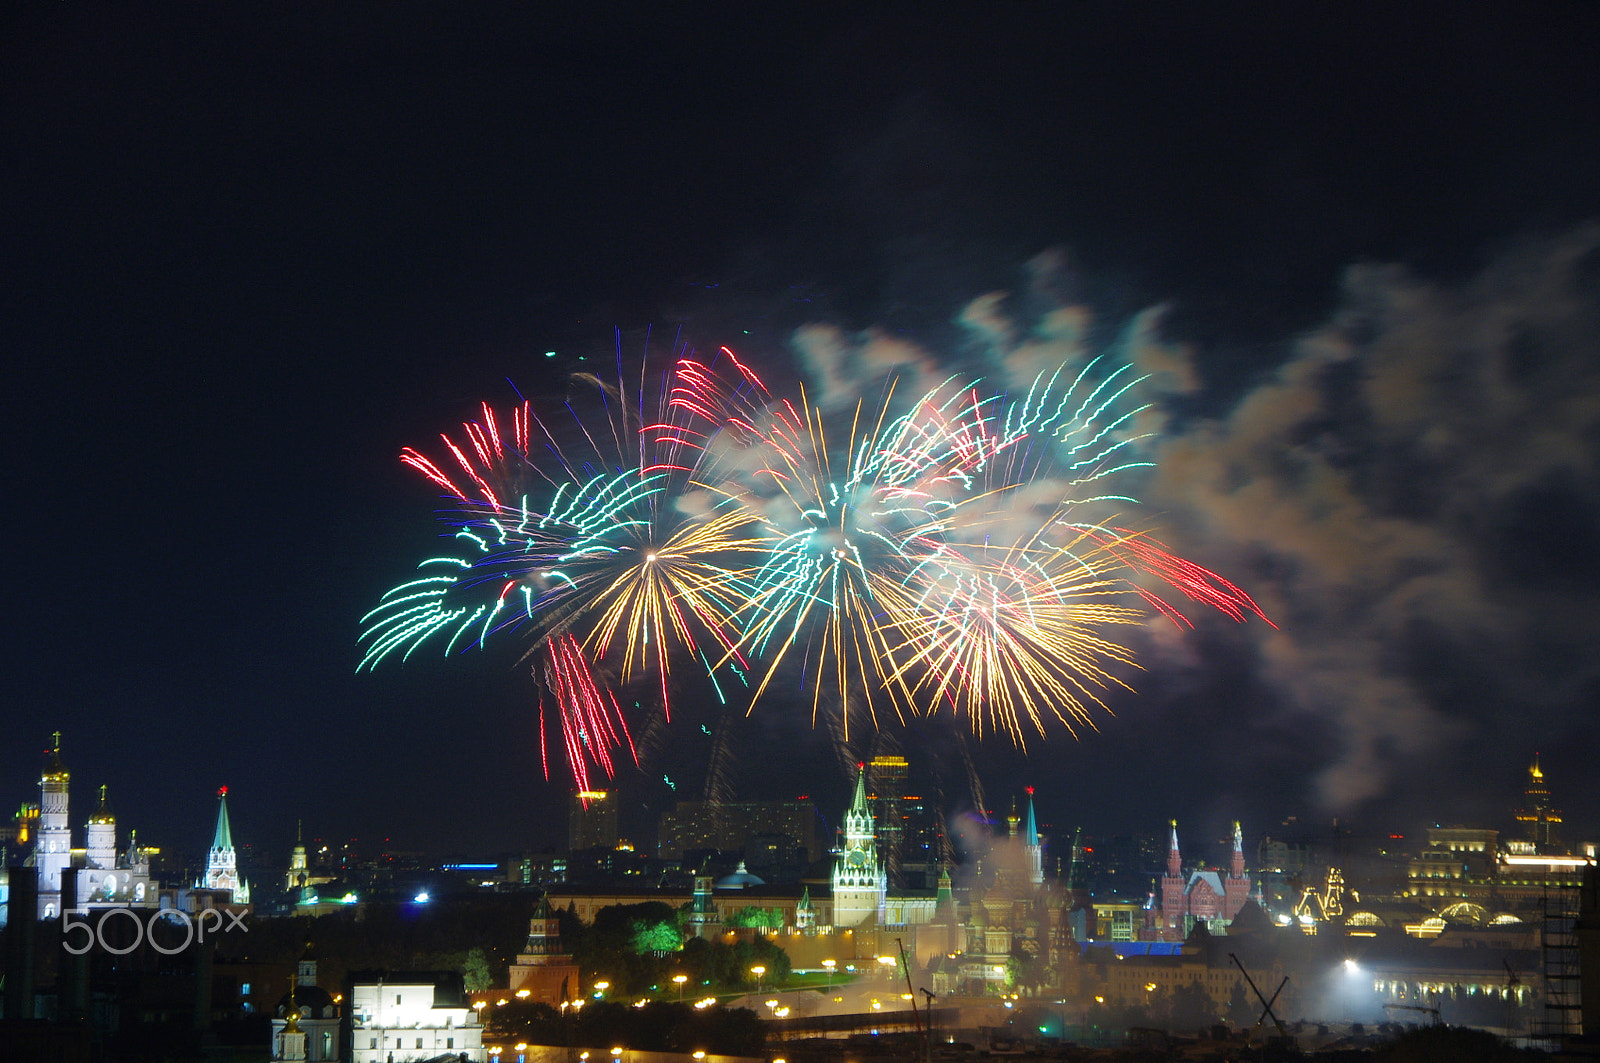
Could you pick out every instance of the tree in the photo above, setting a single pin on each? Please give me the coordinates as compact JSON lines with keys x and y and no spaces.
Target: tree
{"x":656,"y":939}
{"x":1190,"y":1007}
{"x":475,"y":972}
{"x":768,"y":918}
{"x":1241,"y":1012}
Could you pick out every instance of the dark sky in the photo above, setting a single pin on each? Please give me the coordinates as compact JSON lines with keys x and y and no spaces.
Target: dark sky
{"x":251,"y":252}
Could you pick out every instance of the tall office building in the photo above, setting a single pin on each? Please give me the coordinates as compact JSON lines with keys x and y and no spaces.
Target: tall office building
{"x":886,"y":783}
{"x":729,"y":825}
{"x":592,"y":821}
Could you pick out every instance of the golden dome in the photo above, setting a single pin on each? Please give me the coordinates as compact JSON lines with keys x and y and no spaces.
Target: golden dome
{"x":103,"y":815}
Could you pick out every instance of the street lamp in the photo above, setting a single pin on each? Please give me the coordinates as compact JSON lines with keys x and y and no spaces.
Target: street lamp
{"x":760,"y":972}
{"x":830,"y":965}
{"x":600,"y":989}
{"x":680,"y":979}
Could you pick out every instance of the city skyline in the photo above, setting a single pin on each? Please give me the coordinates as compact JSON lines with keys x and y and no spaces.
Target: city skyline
{"x":265,"y":845}
{"x":242,"y":278}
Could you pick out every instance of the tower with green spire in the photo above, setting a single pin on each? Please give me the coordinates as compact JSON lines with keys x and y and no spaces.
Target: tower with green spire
{"x":1032,"y":849}
{"x":860,"y":880}
{"x":222,"y":863}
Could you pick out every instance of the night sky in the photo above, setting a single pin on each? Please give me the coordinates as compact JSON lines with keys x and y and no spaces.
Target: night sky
{"x":252,"y":251}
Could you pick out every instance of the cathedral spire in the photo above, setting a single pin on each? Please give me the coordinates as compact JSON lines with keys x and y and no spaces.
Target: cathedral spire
{"x":1236,"y":868}
{"x":1174,"y":858}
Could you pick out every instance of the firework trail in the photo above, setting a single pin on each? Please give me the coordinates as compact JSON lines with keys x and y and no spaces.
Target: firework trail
{"x":581,"y":552}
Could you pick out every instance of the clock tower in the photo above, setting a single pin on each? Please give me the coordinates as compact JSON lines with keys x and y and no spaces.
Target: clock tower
{"x":860,"y":880}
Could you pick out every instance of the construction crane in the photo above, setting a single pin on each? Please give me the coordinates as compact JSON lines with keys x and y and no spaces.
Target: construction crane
{"x":1425,"y":1009}
{"x":1266,"y":1005}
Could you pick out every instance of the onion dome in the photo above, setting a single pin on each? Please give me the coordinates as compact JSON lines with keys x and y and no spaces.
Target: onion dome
{"x":310,"y":1002}
{"x":103,"y":813}
{"x":55,"y":771}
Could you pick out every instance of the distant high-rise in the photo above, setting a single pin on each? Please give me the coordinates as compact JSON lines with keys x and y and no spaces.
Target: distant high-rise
{"x":1541,"y":824}
{"x":886,"y":781}
{"x":592,"y":822}
{"x":729,"y":825}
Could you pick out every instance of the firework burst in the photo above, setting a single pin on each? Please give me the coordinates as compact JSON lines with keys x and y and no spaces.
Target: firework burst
{"x":961,"y":551}
{"x":588,"y":562}
{"x":947,"y":557}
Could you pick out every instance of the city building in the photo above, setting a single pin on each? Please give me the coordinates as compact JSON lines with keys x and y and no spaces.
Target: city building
{"x":730,"y":826}
{"x":886,"y":785}
{"x":1457,"y":865}
{"x":1206,"y":896}
{"x":305,"y":1025}
{"x":860,"y":880}
{"x":401,"y":1016}
{"x":106,"y":878}
{"x":299,"y":876}
{"x":1540,"y":822}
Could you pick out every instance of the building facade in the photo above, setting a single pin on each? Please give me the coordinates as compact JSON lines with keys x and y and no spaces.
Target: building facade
{"x":592,"y":821}
{"x":1206,"y":895}
{"x":105,"y":877}
{"x":403,"y":1016}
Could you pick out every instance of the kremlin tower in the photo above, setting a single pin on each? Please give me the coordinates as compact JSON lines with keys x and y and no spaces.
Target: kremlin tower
{"x":222,"y":864}
{"x":860,"y":881}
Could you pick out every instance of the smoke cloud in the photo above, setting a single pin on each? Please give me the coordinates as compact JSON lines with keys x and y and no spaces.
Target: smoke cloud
{"x":1411,"y":496}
